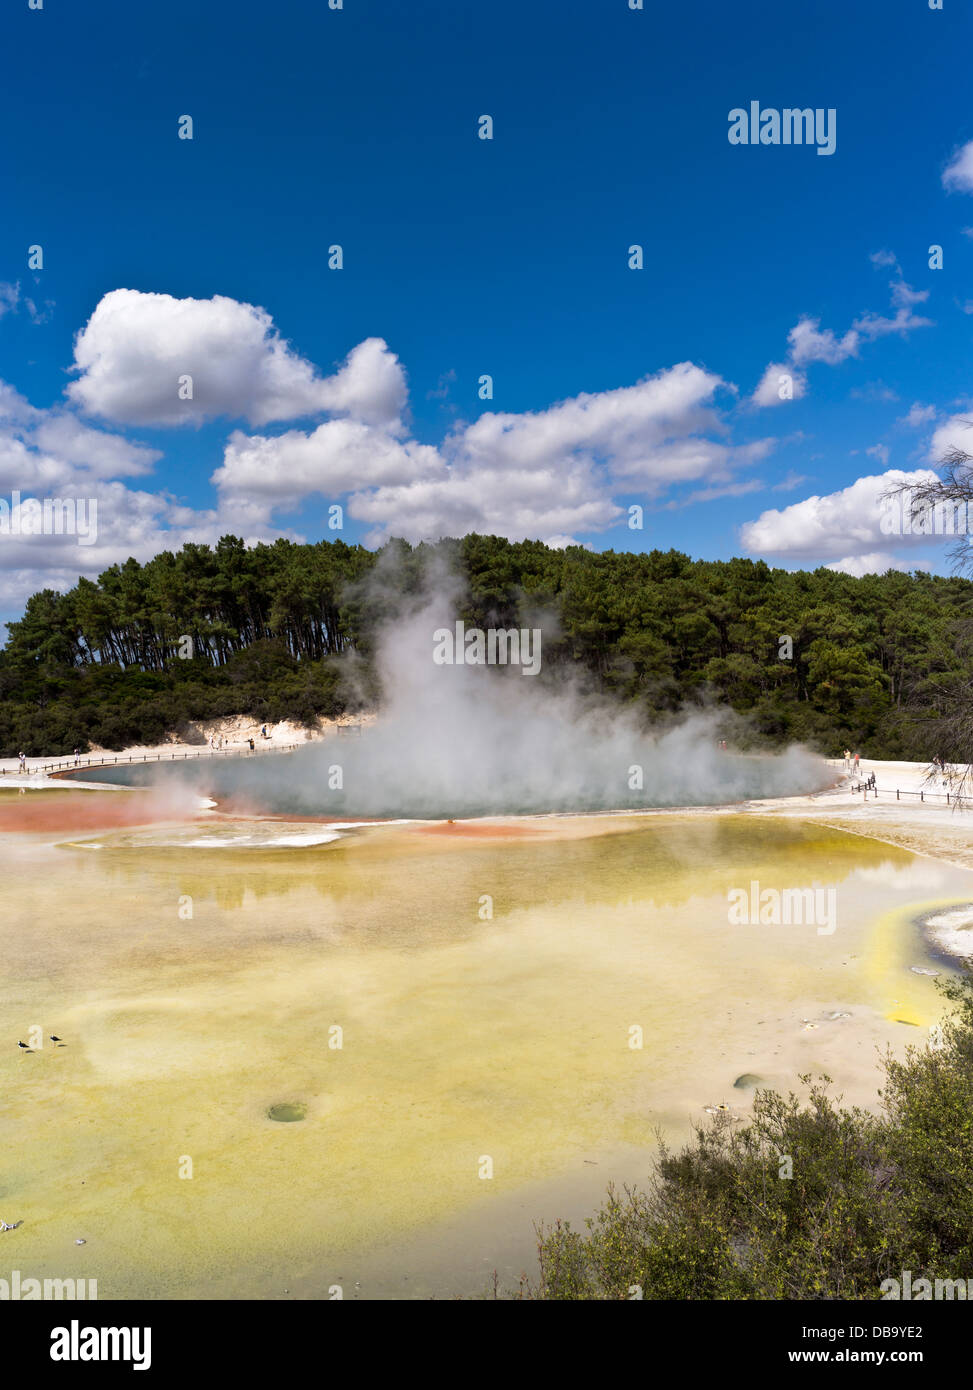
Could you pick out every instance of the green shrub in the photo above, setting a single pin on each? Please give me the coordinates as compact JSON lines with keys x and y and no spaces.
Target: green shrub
{"x":869,"y":1195}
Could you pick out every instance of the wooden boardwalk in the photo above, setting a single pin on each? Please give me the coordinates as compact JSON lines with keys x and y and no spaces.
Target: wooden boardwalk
{"x":111,"y":760}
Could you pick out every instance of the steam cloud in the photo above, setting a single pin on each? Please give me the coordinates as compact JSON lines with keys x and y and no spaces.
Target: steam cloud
{"x":461,"y":740}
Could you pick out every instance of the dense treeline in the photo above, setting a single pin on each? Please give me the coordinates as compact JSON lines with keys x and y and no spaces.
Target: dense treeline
{"x":275,"y":628}
{"x":804,"y":1201}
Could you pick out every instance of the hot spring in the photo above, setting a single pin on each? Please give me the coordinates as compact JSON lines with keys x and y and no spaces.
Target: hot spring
{"x":467,"y":740}
{"x":295,"y":1060}
{"x":389,"y":772}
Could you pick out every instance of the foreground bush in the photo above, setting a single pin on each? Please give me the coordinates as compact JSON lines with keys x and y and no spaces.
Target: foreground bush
{"x":869,"y":1196}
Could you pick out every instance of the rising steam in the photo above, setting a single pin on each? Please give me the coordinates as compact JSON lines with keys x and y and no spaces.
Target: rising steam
{"x":474,"y":740}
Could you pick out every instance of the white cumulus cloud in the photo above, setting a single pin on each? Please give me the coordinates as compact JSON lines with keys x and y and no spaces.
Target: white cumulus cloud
{"x":918,"y":416}
{"x":137,"y":349}
{"x":837,"y":524}
{"x":958,"y":174}
{"x":339,"y":456}
{"x":954,"y":433}
{"x":540,"y":473}
{"x":809,"y":344}
{"x":878,"y":562}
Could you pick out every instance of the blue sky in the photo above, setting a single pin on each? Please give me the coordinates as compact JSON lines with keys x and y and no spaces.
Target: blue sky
{"x":463,"y":257}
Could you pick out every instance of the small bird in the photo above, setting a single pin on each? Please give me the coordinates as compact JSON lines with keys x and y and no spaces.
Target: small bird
{"x":24,"y":1047}
{"x":54,"y":1038}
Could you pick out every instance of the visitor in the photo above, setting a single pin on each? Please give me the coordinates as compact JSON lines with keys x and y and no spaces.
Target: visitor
{"x":847,"y":759}
{"x":856,"y":761}
{"x":23,"y":761}
{"x":77,"y":756}
{"x":263,"y":731}
{"x":250,"y":741}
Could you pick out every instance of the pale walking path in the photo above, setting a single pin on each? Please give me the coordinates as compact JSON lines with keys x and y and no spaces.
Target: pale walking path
{"x":235,"y":732}
{"x":928,"y":827}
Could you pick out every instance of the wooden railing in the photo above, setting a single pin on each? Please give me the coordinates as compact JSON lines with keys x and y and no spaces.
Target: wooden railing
{"x":111,"y":760}
{"x":951,"y":798}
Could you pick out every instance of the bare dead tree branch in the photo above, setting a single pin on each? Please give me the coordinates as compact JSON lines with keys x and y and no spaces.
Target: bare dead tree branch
{"x":955,"y":485}
{"x":942,"y":709}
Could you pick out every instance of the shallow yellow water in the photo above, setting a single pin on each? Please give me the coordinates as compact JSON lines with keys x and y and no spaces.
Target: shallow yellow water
{"x":464,"y":1038}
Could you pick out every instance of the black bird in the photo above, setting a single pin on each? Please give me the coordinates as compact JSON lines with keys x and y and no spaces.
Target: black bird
{"x":24,"y":1046}
{"x":54,"y":1038}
